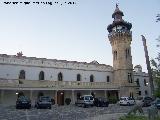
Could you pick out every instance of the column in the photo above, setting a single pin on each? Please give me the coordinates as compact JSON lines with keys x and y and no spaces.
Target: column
{"x":105,"y":94}
{"x":55,"y":97}
{"x":73,"y":100}
{"x":31,"y":94}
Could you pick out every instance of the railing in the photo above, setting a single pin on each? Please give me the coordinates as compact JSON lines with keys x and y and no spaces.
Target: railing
{"x":16,"y":83}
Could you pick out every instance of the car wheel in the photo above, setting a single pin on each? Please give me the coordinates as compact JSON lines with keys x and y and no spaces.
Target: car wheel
{"x":17,"y":107}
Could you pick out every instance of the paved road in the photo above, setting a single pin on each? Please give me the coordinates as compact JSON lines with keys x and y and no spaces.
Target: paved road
{"x":70,"y":112}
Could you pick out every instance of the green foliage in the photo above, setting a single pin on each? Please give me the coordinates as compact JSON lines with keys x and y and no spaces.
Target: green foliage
{"x":156,"y":71}
{"x":67,"y":101}
{"x":133,"y":117}
{"x":113,"y":99}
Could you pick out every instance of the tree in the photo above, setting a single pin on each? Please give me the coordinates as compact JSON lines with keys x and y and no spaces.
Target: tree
{"x":156,"y":71}
{"x":158,"y":18}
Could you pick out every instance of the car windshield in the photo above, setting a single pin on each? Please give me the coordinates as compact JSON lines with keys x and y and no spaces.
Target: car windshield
{"x":88,"y":98}
{"x":23,"y":98}
{"x":130,"y":98}
{"x":122,"y":98}
{"x":45,"y":98}
{"x":147,"y":98}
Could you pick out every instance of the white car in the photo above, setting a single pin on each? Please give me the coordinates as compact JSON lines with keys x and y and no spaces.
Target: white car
{"x":85,"y":101}
{"x":127,"y":101}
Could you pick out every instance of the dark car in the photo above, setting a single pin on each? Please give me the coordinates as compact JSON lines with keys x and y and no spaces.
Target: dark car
{"x":23,"y":102}
{"x":156,"y":103}
{"x":147,"y":101}
{"x":101,"y":102}
{"x":43,"y":102}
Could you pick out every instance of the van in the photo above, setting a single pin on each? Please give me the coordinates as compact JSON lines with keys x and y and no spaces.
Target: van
{"x":85,"y":101}
{"x":127,"y":101}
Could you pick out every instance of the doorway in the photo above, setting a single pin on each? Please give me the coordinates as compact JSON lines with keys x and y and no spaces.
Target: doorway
{"x":60,"y":97}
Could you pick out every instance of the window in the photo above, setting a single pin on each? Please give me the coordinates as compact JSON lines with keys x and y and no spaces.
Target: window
{"x":41,"y":75}
{"x":130,"y":78}
{"x":137,"y":81}
{"x":115,"y":55}
{"x":60,"y":77}
{"x":78,"y":77}
{"x":108,"y":80}
{"x":145,"y":83}
{"x":22,"y":74}
{"x":139,"y":92}
{"x":146,"y":92}
{"x":91,"y":78}
{"x":127,"y":52}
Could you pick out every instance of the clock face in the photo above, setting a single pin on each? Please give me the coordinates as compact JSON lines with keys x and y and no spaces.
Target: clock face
{"x":119,"y":28}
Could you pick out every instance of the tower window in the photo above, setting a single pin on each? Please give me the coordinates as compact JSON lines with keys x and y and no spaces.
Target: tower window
{"x":130,"y":78}
{"x":41,"y":75}
{"x":145,"y":83}
{"x":137,"y":81}
{"x":127,"y":51}
{"x":60,"y":77}
{"x":91,"y":78}
{"x":115,"y":55}
{"x":108,"y":80}
{"x":22,"y":74}
{"x":139,"y":92}
{"x":146,"y":92}
{"x":78,"y":77}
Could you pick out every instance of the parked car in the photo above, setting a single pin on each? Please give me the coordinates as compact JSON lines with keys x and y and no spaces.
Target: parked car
{"x":23,"y":102}
{"x":43,"y":102}
{"x":126,"y":101}
{"x":156,"y":103}
{"x":101,"y":102}
{"x":85,"y":101}
{"x":147,"y":101}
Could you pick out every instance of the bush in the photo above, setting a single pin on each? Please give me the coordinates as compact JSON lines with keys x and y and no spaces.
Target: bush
{"x":133,"y":117}
{"x":67,"y":101}
{"x":112,"y":99}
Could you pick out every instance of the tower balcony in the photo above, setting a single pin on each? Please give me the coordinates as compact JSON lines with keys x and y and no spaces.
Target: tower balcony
{"x":16,"y":84}
{"x":120,"y":33}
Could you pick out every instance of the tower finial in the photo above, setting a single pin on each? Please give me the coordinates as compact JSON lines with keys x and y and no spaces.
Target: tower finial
{"x":117,"y":5}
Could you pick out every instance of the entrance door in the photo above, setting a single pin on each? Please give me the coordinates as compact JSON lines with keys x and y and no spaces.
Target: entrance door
{"x":60,"y":97}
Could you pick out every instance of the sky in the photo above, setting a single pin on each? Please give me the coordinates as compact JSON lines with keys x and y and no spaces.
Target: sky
{"x":76,"y":32}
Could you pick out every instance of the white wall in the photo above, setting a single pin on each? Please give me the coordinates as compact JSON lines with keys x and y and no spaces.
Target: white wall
{"x":32,"y":73}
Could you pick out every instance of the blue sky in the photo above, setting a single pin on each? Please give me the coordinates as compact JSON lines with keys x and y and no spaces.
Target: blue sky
{"x":76,"y":32}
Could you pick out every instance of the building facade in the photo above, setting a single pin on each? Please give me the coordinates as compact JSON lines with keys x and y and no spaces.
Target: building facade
{"x":61,"y":79}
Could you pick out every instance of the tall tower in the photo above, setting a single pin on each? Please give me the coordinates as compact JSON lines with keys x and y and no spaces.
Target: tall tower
{"x":120,"y":38}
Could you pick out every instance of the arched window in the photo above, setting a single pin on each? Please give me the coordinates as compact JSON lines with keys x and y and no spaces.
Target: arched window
{"x":130,"y":77}
{"x":78,"y":77}
{"x":108,"y":80}
{"x":60,"y":77}
{"x":22,"y":74}
{"x":127,"y":51}
{"x":145,"y":83}
{"x":137,"y":81}
{"x":41,"y":75}
{"x":115,"y":55}
{"x":91,"y":78}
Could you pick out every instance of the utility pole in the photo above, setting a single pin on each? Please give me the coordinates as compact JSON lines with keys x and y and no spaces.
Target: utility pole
{"x":148,"y":65}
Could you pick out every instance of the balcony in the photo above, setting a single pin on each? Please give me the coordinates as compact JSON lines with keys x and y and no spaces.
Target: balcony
{"x":54,"y":85}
